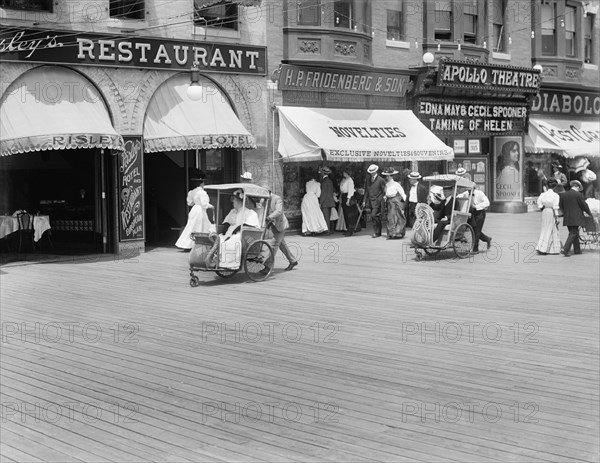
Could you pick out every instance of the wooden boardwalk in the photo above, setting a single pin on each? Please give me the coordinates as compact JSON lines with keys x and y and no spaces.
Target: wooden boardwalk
{"x":361,"y":354}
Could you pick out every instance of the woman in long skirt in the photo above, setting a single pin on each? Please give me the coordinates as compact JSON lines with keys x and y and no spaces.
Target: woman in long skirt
{"x":348,"y":203}
{"x":395,"y":199}
{"x":198,"y":221}
{"x":548,"y":201}
{"x":312,"y":216}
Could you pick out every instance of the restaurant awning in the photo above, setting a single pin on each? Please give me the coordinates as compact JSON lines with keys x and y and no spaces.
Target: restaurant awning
{"x":313,"y":134}
{"x":52,"y":108}
{"x":175,"y":122}
{"x":570,"y":138}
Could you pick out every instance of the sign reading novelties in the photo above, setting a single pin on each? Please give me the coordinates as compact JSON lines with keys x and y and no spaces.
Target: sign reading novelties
{"x":61,"y":47}
{"x":313,"y":79}
{"x":472,"y":118}
{"x":463,"y":74}
{"x":130,"y":176}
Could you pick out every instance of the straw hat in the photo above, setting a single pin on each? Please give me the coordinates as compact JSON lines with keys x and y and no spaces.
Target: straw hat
{"x":461,"y":171}
{"x":325,"y":170}
{"x":373,"y":168}
{"x":389,"y":171}
{"x":414,"y":176}
{"x":246,"y":176}
{"x":576,"y":184}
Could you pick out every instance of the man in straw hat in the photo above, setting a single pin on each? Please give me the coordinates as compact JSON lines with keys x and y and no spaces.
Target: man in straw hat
{"x":573,"y":206}
{"x":277,"y":222}
{"x":417,"y":194}
{"x":373,"y":200}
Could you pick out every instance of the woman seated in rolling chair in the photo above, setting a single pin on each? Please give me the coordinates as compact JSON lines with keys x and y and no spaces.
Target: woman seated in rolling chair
{"x":230,"y":243}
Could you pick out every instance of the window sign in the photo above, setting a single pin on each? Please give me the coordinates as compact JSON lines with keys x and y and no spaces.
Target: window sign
{"x":508,"y":169}
{"x":459,"y":147}
{"x":130,"y":175}
{"x":474,"y":147}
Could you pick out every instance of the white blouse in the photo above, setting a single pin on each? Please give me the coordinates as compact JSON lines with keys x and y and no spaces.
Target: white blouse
{"x":347,"y":186}
{"x":393,"y":188}
{"x":549,"y":199}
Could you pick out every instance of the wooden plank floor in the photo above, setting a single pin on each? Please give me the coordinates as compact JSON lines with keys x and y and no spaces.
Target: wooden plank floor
{"x":360,"y":354}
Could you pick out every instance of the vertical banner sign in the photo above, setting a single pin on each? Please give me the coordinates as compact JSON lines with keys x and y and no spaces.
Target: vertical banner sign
{"x":130,"y":175}
{"x":508,"y":184}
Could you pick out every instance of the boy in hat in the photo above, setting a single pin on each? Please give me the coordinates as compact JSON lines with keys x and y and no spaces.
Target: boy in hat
{"x":573,"y":206}
{"x":417,"y":194}
{"x":374,"y":194}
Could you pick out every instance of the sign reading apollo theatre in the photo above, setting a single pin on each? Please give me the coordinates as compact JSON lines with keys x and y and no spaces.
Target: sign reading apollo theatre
{"x":47,"y":46}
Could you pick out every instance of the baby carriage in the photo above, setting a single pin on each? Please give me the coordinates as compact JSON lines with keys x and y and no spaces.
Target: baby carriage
{"x":589,"y":232}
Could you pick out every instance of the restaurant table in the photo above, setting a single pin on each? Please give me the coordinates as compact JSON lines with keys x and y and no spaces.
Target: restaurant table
{"x":10,"y":224}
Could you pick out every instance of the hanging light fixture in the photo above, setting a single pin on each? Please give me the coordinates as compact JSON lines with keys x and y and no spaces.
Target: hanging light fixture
{"x":194,"y":91}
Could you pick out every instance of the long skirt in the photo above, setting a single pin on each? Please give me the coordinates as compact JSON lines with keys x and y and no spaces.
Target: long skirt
{"x":312,"y":216}
{"x":396,"y":222}
{"x":198,"y":222}
{"x":350,"y":213}
{"x":549,"y":241}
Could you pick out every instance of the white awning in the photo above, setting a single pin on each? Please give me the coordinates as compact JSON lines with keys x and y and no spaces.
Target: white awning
{"x":570,"y":138}
{"x":52,"y":108}
{"x":174,"y":122}
{"x":313,"y":134}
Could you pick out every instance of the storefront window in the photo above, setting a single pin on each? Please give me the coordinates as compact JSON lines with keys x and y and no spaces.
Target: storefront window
{"x":497,"y":15}
{"x":570,"y":35}
{"x":343,"y":12}
{"x":588,"y":50}
{"x":442,"y":20}
{"x":395,"y":22}
{"x":470,"y":22}
{"x":309,"y":13}
{"x":549,"y":29}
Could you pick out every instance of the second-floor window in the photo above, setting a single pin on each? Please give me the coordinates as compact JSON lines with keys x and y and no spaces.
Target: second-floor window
{"x":127,"y":9}
{"x":343,"y":14}
{"x":222,"y":15}
{"x":549,"y":29}
{"x":499,"y":33}
{"x":570,"y":35}
{"x":33,"y":5}
{"x":309,"y":13}
{"x":470,"y":22}
{"x":588,"y":27}
{"x":442,"y":20}
{"x":395,"y":21}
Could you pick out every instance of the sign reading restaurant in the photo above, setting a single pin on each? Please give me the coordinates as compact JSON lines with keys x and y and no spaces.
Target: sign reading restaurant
{"x":305,"y":78}
{"x":466,"y":74}
{"x":58,"y":47}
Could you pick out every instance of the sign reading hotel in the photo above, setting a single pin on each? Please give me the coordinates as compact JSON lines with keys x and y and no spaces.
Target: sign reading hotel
{"x":313,"y":79}
{"x":56,"y":47}
{"x":455,"y":117}
{"x":461,"y":74}
{"x":130,"y":175}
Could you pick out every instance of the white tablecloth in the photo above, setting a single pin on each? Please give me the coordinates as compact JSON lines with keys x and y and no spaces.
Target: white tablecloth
{"x":10,"y":224}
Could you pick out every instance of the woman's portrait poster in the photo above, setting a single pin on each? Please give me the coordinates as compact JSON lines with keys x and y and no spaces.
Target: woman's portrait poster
{"x":509,"y":168}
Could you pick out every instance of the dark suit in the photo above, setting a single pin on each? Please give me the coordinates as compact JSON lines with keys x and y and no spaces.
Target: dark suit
{"x":374,"y":194}
{"x":326,"y":201}
{"x":445,"y":210}
{"x":278,"y":223}
{"x":573,"y":206}
{"x":422,"y":192}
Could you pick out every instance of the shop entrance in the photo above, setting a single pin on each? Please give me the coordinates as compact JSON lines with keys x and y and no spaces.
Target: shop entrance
{"x":66,"y":186}
{"x":167,"y":184}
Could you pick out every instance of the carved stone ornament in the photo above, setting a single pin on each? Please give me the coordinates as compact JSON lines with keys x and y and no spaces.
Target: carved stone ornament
{"x":345,"y":48}
{"x":309,"y":46}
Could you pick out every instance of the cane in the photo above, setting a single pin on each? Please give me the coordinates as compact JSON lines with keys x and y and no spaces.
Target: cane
{"x":359,"y":216}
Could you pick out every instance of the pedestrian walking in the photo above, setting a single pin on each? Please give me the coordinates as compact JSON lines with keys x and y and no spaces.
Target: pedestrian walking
{"x":348,"y":202}
{"x":198,"y":221}
{"x":573,"y":206}
{"x":395,"y":198}
{"x":479,"y":206}
{"x":312,"y":216}
{"x":417,"y":194}
{"x":548,"y":202}
{"x":373,"y":200}
{"x":277,"y":222}
{"x":326,"y":201}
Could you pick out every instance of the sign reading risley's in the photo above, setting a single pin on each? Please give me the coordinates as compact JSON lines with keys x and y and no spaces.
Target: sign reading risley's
{"x":46,"y":46}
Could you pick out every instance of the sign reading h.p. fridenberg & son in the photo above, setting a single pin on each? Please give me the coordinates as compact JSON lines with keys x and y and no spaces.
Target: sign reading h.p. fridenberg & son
{"x":58,"y":47}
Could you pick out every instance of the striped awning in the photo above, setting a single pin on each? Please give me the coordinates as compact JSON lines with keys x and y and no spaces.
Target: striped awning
{"x":51,"y":108}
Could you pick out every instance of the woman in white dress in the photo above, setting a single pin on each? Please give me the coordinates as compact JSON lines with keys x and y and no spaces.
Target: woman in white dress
{"x":230,"y":244}
{"x":548,"y":201}
{"x":198,"y":221}
{"x":312,"y":216}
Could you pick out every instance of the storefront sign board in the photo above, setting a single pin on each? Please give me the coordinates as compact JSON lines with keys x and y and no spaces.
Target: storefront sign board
{"x":469,"y":75}
{"x":131,"y":197}
{"x":305,"y":78}
{"x":475,"y":118}
{"x":56,"y":47}
{"x":566,"y":103}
